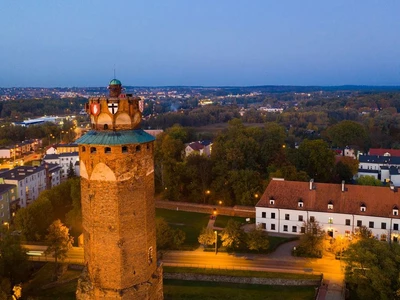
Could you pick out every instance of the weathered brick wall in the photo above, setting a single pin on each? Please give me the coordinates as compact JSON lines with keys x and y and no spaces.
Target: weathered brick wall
{"x":246,"y":280}
{"x":240,"y":211}
{"x":118,"y":216}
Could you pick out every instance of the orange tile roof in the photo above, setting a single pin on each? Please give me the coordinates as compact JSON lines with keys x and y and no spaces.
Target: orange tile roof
{"x":379,"y":201}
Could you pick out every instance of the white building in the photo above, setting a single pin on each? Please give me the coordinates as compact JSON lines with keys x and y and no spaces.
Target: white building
{"x":199,"y":147}
{"x":64,"y":160}
{"x":339,"y":209}
{"x":30,"y":182}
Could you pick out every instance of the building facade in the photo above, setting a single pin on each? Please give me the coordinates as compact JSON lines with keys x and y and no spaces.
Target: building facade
{"x":340,"y":209}
{"x":118,"y":209}
{"x":30,"y":182}
{"x":64,"y":160}
{"x":8,"y":194}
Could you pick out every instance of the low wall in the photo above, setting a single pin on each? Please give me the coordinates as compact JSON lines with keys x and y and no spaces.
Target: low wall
{"x":246,"y":280}
{"x":239,"y":211}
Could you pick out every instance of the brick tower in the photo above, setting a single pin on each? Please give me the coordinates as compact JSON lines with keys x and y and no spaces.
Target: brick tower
{"x":118,"y":211}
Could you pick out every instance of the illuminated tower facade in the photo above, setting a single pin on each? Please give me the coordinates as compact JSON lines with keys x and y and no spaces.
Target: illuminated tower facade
{"x":118,"y":210}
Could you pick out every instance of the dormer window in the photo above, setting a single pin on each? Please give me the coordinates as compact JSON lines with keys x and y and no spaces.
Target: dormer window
{"x":271,"y":201}
{"x":395,"y":211}
{"x":330,"y":205}
{"x":363,"y":208}
{"x":300,"y":203}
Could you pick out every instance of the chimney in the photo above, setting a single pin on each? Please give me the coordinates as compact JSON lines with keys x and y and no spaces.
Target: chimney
{"x":311,"y":184}
{"x":343,"y":185}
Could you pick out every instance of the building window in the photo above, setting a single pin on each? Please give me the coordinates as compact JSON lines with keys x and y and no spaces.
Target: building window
{"x":383,"y":237}
{"x":303,"y":230}
{"x":83,"y":149}
{"x":363,"y":208}
{"x":347,"y":233}
{"x":359,"y":223}
{"x":300,"y":203}
{"x":347,"y":222}
{"x":285,"y":227}
{"x":272,"y":215}
{"x":107,"y":150}
{"x":383,"y":225}
{"x":263,"y":226}
{"x":330,"y":220}
{"x":287,"y":217}
{"x":294,"y":228}
{"x":263,"y":214}
{"x":272,"y":226}
{"x":92,"y":149}
{"x":138,"y":148}
{"x":312,"y":219}
{"x":395,"y":211}
{"x":105,"y":127}
{"x":272,"y":202}
{"x":371,"y":225}
{"x":148,"y":146}
{"x":300,"y":218}
{"x":124,"y":149}
{"x":395,"y":226}
{"x":330,"y":206}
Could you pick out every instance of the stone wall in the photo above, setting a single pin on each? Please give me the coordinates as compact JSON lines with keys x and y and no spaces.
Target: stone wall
{"x":246,"y":280}
{"x":239,"y":211}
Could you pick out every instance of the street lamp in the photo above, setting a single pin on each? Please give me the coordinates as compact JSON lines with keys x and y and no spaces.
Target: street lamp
{"x":216,"y":241}
{"x":7,"y":224}
{"x":220,"y":202}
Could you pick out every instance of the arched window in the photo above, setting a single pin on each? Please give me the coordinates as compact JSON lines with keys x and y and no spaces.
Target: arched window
{"x":330,"y":205}
{"x":138,"y":148}
{"x":107,"y":150}
{"x":363,"y":208}
{"x":105,"y":127}
{"x":83,"y":149}
{"x":92,"y":149}
{"x":124,"y":149}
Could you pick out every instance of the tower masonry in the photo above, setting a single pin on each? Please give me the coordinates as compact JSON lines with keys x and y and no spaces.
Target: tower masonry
{"x":118,"y":210}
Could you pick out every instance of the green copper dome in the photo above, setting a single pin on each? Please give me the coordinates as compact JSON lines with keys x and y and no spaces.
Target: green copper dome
{"x":115,"y":82}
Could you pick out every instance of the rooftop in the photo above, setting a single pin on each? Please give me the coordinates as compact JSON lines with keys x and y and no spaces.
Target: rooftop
{"x":122,"y":137}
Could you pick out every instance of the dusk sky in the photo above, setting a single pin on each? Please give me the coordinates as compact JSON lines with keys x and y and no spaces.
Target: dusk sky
{"x":61,"y":43}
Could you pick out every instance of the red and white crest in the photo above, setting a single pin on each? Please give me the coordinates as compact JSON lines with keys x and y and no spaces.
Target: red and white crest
{"x":141,"y":105}
{"x":95,"y":108}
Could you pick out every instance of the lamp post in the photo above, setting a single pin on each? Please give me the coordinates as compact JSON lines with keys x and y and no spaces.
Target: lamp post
{"x":216,"y":241}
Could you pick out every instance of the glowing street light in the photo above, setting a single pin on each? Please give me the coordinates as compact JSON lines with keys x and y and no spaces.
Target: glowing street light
{"x":220,"y":202}
{"x":7,"y":224}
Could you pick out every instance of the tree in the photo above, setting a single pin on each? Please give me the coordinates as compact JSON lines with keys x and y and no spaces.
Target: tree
{"x":311,"y":241}
{"x":206,"y":237}
{"x":347,"y":133}
{"x":59,"y":242}
{"x":167,"y":237}
{"x":373,"y":268}
{"x":257,"y":239}
{"x":346,"y":168}
{"x":369,"y":180}
{"x":14,"y":263}
{"x":232,"y":236}
{"x":71,"y":171}
{"x":315,"y":158}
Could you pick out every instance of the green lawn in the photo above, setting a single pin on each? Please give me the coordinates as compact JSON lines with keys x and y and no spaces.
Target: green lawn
{"x":240,"y":273}
{"x":189,"y":222}
{"x":179,"y":290}
{"x":222,"y":220}
{"x":43,"y":276}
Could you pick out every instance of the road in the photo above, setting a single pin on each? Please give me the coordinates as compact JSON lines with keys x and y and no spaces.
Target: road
{"x":225,"y":261}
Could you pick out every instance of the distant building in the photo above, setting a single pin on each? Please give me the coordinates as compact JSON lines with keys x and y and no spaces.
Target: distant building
{"x":267,"y":109}
{"x":30,"y":182}
{"x":384,"y":152}
{"x":199,"y":147}
{"x":339,"y":209}
{"x":37,"y":121}
{"x":64,"y":160}
{"x":8,"y":195}
{"x":380,"y":167}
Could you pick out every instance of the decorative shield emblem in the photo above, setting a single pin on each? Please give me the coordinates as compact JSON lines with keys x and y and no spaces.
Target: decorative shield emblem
{"x":95,"y":108}
{"x":113,"y":107}
{"x":141,"y":105}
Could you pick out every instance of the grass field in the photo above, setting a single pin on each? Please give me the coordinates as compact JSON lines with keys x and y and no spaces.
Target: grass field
{"x":189,"y":222}
{"x":241,"y":273}
{"x":179,"y":290}
{"x":222,"y":220}
{"x":43,"y":276}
